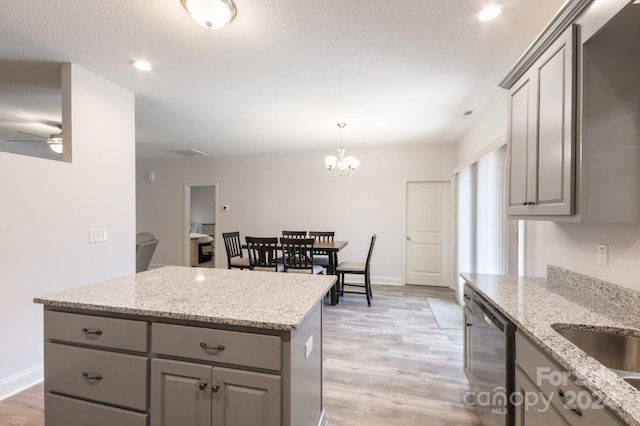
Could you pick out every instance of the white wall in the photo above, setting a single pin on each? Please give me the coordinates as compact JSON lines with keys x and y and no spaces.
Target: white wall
{"x":269,"y":193}
{"x":47,"y":210}
{"x":572,"y":246}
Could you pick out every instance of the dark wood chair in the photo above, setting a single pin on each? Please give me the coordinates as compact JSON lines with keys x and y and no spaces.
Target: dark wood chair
{"x":357,"y":269}
{"x":263,"y":254}
{"x":298,"y":255}
{"x":294,"y":234}
{"x":322,"y":257}
{"x":232,"y":245}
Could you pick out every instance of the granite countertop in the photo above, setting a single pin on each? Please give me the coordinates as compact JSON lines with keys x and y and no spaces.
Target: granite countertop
{"x":570,"y":300}
{"x":269,"y":300}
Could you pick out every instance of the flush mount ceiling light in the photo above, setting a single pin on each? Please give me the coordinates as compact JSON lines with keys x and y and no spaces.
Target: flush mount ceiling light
{"x":341,"y":166}
{"x":211,"y":14}
{"x":141,"y":65}
{"x":489,"y":13}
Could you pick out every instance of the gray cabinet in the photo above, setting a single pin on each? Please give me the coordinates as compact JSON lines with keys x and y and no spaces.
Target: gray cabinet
{"x":244,"y":398}
{"x":549,"y":395}
{"x":191,"y":394}
{"x":541,"y":133}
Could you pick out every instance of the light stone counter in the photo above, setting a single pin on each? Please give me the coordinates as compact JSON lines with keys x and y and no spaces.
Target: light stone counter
{"x":568,"y":298}
{"x":270,"y":300}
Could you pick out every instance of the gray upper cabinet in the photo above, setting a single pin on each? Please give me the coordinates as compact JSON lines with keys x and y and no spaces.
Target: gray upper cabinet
{"x":541,"y":133}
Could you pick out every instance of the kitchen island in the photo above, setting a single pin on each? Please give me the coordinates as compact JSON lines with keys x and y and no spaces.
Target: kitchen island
{"x":185,"y":346}
{"x":565,"y":300}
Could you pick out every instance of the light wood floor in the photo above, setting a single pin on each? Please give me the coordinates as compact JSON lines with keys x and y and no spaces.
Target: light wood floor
{"x":391,"y":364}
{"x":383,"y":366}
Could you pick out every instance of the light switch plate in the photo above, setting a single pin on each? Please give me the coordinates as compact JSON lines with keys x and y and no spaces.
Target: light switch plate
{"x":308,"y":347}
{"x":98,"y":235}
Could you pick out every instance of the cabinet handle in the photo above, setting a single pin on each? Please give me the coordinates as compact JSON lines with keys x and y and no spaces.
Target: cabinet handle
{"x":203,"y":345}
{"x":571,"y":407}
{"x":92,"y":331}
{"x":88,"y":376}
{"x":526,"y":203}
{"x":215,"y":388}
{"x":468,"y":324}
{"x":202,"y":385}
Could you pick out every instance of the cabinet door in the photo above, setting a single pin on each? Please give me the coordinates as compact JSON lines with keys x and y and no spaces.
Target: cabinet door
{"x":521,"y":144}
{"x":180,"y":393}
{"x":245,"y":398}
{"x":532,"y":407}
{"x":555,"y":111}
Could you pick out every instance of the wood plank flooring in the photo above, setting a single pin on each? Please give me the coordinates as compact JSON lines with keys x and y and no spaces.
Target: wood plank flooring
{"x":391,"y":364}
{"x":386,"y":365}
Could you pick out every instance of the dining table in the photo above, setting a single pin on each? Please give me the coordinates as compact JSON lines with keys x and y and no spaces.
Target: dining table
{"x":331,"y":249}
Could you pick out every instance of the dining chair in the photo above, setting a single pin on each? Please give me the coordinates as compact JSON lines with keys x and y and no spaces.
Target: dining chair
{"x":357,"y":268}
{"x":322,"y":257}
{"x":294,"y":234}
{"x":263,"y":254}
{"x":232,"y":245}
{"x":298,"y":255}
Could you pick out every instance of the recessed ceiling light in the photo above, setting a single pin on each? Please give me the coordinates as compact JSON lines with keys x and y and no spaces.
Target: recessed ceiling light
{"x":489,"y":13}
{"x":141,"y":65}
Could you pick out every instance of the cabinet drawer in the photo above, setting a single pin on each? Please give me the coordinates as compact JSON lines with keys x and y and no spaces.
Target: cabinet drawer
{"x":248,"y":349}
{"x":555,"y":381}
{"x":102,"y":376}
{"x":60,"y":410}
{"x":98,"y":331}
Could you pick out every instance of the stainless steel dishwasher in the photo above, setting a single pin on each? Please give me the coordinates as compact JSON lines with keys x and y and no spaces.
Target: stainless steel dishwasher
{"x":492,"y":350}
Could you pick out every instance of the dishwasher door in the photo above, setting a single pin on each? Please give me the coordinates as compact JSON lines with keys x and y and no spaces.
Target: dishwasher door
{"x":492,"y":363}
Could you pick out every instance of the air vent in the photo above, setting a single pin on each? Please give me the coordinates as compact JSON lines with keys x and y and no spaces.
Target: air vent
{"x":190,"y":152}
{"x":467,"y":113}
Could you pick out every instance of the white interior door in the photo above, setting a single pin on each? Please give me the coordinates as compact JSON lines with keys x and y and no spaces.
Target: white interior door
{"x":428,"y":233}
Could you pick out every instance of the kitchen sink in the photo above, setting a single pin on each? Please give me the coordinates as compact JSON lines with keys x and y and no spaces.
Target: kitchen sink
{"x":616,"y":351}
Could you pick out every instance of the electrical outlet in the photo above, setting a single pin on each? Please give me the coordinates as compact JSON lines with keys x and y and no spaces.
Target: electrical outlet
{"x":98,"y":235}
{"x":308,"y":347}
{"x":603,"y":255}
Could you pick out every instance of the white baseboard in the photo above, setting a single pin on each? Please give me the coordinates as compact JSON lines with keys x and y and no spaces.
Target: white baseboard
{"x":21,"y":381}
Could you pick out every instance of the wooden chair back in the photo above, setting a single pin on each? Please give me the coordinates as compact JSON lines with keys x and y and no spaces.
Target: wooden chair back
{"x":298,"y":253}
{"x":373,"y":243}
{"x":232,"y":245}
{"x":262,"y":252}
{"x":294,"y":234}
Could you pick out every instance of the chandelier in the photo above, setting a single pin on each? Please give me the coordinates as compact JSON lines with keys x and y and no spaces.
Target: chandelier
{"x":341,"y":166}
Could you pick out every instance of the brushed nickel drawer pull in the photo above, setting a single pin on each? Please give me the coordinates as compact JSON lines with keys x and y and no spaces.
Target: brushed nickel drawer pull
{"x":88,"y":376}
{"x":92,"y":331}
{"x":203,"y":345}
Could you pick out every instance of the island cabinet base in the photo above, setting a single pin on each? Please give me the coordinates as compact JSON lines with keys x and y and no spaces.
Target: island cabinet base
{"x":109,"y":368}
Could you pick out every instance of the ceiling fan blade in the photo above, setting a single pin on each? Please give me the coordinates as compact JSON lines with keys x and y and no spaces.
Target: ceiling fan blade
{"x":31,"y":134}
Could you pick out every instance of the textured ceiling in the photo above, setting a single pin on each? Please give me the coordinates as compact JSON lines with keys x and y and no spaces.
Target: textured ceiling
{"x":284,"y":72}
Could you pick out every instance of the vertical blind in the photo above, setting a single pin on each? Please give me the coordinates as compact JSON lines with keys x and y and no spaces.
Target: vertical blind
{"x":482,"y":234}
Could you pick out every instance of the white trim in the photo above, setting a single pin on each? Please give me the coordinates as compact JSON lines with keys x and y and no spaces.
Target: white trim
{"x":21,"y":381}
{"x":502,"y":140}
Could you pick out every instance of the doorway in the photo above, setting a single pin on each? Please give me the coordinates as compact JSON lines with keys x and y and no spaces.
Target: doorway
{"x":428,"y":233}
{"x":200,"y":230}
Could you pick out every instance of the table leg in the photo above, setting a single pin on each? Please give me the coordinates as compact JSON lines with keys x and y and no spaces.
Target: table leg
{"x":331,"y":270}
